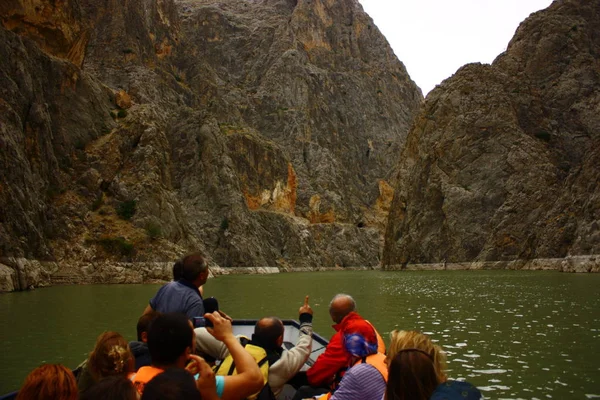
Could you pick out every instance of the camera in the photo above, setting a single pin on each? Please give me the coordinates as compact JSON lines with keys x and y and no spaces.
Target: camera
{"x":201,"y":322}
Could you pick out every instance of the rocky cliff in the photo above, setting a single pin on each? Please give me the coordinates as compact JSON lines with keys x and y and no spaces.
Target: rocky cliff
{"x":502,"y":162}
{"x":263,"y":133}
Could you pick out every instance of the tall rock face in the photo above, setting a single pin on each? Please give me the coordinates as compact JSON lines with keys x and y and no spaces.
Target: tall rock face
{"x":316,"y":78}
{"x":55,"y":26}
{"x":503,"y":160}
{"x":50,"y":109}
{"x":259,"y":132}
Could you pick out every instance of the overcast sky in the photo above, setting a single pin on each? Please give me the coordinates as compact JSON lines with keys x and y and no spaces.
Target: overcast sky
{"x":433,"y":38}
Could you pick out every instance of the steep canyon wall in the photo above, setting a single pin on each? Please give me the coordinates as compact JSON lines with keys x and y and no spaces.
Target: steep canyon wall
{"x":263,"y":133}
{"x":502,"y":162}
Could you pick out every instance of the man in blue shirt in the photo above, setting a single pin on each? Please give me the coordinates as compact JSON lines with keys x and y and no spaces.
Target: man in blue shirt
{"x":183,"y":296}
{"x":171,"y":343}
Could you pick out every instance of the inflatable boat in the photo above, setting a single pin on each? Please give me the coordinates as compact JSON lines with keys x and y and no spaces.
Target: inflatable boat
{"x":245,"y":327}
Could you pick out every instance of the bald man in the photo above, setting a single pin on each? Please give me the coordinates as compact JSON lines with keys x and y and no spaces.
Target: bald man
{"x":327,"y":371}
{"x":268,"y":334}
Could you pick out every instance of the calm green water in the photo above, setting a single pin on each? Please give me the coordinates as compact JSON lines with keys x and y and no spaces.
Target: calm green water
{"x":526,"y":335}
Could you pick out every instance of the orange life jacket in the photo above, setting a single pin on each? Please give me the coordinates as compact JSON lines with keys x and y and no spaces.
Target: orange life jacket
{"x":340,"y":374}
{"x":380,"y":342}
{"x":143,"y":376}
{"x":376,"y":360}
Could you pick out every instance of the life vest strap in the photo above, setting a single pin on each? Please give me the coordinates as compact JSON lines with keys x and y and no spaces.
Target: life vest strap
{"x":261,"y":362}
{"x":232,"y":367}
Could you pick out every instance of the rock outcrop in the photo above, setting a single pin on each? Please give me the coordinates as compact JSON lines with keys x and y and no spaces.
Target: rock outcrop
{"x":502,"y":162}
{"x":316,"y":78}
{"x":262,"y":133}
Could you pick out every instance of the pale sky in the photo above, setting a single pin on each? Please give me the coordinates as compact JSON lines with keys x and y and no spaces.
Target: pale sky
{"x":433,"y":38}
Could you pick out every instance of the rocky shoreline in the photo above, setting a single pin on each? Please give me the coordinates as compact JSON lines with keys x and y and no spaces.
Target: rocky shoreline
{"x":579,"y":264}
{"x":18,"y":274}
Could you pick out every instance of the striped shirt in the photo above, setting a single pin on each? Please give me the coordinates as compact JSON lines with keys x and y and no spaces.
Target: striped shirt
{"x":361,"y":382}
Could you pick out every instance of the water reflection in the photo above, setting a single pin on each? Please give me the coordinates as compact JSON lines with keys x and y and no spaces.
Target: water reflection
{"x":515,"y":337}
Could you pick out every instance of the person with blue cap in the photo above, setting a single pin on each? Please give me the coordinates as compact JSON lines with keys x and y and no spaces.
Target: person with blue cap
{"x":367,"y":372}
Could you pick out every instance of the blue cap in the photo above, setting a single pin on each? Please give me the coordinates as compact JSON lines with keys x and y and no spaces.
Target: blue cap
{"x":358,"y":346}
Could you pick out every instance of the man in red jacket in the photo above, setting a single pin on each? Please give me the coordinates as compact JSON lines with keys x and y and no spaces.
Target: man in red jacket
{"x":327,"y":372}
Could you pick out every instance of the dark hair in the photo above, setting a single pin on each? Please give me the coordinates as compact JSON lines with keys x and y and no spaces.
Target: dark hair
{"x":411,"y":376}
{"x":112,"y":387}
{"x":49,"y":382}
{"x":144,"y":323}
{"x":177,"y":270}
{"x":193,"y":265}
{"x":173,"y":384}
{"x":268,"y":330}
{"x":168,"y":337}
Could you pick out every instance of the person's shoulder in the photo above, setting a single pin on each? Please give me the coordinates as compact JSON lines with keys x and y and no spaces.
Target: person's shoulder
{"x":165,"y":294}
{"x":353,"y":317}
{"x":363,"y":369}
{"x":137,"y":347}
{"x":336,"y":340}
{"x":168,"y":286}
{"x":456,"y":390}
{"x":186,"y":290}
{"x":178,"y":289}
{"x":159,"y":295}
{"x":337,"y":336}
{"x":363,"y":377}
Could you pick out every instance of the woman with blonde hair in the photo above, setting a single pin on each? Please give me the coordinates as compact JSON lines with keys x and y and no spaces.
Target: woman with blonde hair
{"x":401,"y":340}
{"x":417,"y":371}
{"x":49,"y":382}
{"x":111,"y":356}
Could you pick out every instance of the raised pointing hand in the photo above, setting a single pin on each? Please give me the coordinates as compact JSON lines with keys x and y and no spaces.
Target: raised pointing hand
{"x":305,"y":307}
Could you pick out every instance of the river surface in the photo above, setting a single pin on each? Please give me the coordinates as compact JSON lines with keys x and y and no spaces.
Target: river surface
{"x":514,"y":334}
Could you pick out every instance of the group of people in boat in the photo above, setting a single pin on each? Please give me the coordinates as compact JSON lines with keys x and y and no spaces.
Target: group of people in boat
{"x":186,"y":349}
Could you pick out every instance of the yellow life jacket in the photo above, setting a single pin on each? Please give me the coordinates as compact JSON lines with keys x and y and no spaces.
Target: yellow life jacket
{"x":227,"y":366}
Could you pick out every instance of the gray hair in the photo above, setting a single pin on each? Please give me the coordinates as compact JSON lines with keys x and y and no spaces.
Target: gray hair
{"x":343,"y":295}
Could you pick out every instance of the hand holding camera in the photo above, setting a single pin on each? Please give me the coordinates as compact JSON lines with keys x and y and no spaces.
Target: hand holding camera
{"x":221,"y":328}
{"x":201,"y":322}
